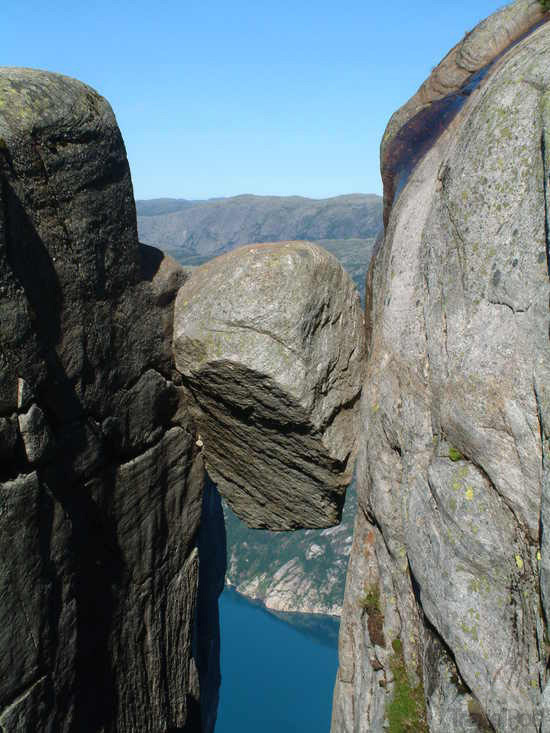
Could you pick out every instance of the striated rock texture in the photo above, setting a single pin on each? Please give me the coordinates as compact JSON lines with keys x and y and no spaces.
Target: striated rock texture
{"x":100,"y":477}
{"x":270,"y":341}
{"x":450,"y":567}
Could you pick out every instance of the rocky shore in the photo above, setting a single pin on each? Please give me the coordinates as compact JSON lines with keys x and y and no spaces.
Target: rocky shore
{"x":293,"y":572}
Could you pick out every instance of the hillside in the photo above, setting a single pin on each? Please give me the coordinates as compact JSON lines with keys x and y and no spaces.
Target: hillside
{"x":302,"y":571}
{"x":195,"y":231}
{"x":208,"y":228}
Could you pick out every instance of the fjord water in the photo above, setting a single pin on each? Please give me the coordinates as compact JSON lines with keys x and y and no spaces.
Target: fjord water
{"x":275,"y":678}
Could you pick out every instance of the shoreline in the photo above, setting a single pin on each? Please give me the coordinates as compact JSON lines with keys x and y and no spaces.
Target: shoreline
{"x":323,"y":627}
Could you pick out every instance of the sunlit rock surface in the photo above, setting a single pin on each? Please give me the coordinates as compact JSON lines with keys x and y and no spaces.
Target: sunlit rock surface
{"x":270,"y":341}
{"x":451,"y":553}
{"x":413,"y":128}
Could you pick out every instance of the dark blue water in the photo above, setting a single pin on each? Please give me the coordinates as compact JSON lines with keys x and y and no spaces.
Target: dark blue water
{"x":275,"y":678}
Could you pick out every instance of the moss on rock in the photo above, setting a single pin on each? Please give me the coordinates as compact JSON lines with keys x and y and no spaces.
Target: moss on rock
{"x":406,"y":712}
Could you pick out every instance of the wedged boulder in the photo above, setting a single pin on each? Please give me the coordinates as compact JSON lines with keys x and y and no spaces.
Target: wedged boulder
{"x":270,"y":341}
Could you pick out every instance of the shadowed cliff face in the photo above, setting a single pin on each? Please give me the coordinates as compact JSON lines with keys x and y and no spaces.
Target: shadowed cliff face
{"x":101,"y":481}
{"x":448,"y":575}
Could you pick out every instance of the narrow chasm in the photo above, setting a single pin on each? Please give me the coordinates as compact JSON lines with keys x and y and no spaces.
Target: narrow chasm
{"x":212,"y":568}
{"x":282,"y":600}
{"x":269,"y":341}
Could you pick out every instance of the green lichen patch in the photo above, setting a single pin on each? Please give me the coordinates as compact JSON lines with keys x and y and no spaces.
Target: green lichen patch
{"x":454,"y":455}
{"x":470,"y":630}
{"x":371,"y":599}
{"x":406,"y":712}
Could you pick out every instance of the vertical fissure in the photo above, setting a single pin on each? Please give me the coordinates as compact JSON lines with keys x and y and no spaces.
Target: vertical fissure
{"x":543,"y":150}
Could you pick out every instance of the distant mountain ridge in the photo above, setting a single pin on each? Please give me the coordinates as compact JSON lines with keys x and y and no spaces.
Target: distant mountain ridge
{"x":197,"y":229}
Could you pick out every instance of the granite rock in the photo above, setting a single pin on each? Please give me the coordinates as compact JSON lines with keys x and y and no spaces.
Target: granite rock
{"x":270,"y":342}
{"x":100,"y":478}
{"x":452,"y":467}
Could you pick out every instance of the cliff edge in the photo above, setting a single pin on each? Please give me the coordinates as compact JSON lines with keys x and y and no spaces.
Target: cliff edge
{"x":101,"y":480}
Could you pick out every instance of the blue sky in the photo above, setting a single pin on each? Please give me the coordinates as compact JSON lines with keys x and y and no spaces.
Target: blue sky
{"x":220,"y":98}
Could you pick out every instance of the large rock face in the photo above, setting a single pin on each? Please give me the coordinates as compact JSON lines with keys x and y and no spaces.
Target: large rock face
{"x":270,"y":340}
{"x":101,"y":480}
{"x":105,"y":622}
{"x":450,"y":567}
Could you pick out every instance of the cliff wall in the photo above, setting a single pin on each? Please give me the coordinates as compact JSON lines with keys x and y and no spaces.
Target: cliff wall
{"x":446,"y":607}
{"x":101,"y":487}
